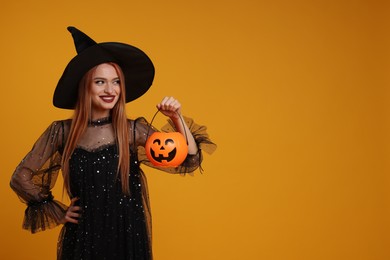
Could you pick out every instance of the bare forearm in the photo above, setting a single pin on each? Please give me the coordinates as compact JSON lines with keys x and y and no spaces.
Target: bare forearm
{"x":182,"y":127}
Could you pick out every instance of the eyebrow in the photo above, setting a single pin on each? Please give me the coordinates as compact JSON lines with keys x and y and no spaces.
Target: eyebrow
{"x":104,"y":78}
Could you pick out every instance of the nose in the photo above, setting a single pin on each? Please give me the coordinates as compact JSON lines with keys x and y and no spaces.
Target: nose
{"x":109,"y":88}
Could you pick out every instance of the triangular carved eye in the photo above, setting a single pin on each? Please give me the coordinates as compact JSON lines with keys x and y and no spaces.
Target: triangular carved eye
{"x":169,"y":141}
{"x":157,"y":141}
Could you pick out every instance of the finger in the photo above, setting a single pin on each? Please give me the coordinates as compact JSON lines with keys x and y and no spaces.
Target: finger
{"x":170,"y":100}
{"x":175,"y":105}
{"x":161,"y":104}
{"x":171,"y":104}
{"x":76,"y":208}
{"x":164,"y":101}
{"x":73,"y":215}
{"x":71,"y":220}
{"x":73,"y":201}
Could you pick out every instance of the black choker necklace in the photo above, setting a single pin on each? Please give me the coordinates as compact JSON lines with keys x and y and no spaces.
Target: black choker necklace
{"x":100,"y":121}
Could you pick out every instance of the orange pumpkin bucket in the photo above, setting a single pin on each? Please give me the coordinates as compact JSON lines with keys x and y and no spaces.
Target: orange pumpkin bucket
{"x":166,"y":149}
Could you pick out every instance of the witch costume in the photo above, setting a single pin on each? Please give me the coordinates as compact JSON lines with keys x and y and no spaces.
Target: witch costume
{"x":112,"y":225}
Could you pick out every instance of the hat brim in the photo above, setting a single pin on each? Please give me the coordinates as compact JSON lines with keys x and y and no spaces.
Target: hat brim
{"x":137,"y":68}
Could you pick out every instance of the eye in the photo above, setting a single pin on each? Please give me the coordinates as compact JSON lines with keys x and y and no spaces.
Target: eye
{"x":157,"y":141}
{"x":169,"y":141}
{"x":116,"y":82}
{"x":99,"y":82}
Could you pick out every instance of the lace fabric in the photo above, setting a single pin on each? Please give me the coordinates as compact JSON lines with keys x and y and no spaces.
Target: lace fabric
{"x":97,"y":137}
{"x":36,"y":174}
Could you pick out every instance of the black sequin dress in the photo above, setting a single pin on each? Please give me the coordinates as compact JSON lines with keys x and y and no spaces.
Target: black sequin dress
{"x":112,"y":225}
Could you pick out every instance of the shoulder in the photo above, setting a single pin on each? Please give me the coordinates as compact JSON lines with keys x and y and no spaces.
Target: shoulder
{"x":64,"y":121}
{"x":59,"y":128}
{"x":141,"y":120}
{"x":137,"y":122}
{"x":140,"y":126}
{"x":61,"y":124}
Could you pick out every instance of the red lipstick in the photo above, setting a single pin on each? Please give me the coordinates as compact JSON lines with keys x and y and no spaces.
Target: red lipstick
{"x":108,"y":98}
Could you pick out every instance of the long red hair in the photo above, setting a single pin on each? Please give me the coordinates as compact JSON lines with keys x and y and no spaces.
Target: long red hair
{"x":82,"y":114}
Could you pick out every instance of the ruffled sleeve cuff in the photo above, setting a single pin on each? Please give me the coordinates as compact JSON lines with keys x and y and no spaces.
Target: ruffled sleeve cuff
{"x":198,"y":131}
{"x":202,"y":140}
{"x":43,"y":215}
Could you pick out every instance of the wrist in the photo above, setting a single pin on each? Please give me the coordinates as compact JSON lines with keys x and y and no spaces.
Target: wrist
{"x":176,"y":117}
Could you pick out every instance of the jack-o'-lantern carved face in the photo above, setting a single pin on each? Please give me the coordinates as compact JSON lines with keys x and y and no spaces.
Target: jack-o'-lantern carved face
{"x":166,"y":149}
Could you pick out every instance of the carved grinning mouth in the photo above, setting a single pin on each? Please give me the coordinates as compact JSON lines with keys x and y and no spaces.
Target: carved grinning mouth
{"x":160,"y":157}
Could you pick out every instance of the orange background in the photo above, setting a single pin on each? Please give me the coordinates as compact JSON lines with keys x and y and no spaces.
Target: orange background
{"x":295,"y":94}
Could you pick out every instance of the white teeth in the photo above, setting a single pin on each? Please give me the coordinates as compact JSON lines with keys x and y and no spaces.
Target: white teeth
{"x":108,"y":98}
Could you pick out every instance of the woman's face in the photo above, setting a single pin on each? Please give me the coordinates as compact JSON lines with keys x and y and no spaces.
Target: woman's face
{"x":105,"y":90}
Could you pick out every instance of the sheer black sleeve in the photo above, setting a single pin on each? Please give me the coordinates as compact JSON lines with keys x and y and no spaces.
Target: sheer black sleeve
{"x":192,"y":162}
{"x":36,"y":175}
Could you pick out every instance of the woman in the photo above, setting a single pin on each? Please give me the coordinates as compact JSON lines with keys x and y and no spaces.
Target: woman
{"x":99,"y":152}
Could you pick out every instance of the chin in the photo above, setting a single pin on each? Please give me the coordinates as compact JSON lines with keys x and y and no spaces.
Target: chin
{"x":103,"y":107}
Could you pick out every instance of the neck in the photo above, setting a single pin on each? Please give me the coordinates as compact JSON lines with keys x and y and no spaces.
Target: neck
{"x":99,"y":114}
{"x":100,"y":121}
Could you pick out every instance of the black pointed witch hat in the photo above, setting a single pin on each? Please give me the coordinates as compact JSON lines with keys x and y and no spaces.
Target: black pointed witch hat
{"x":137,"y":68}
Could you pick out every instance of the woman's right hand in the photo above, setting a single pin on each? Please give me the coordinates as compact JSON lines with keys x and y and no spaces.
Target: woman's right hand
{"x":73,"y":213}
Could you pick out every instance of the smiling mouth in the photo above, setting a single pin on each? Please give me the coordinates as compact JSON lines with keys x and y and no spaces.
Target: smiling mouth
{"x":108,"y":99}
